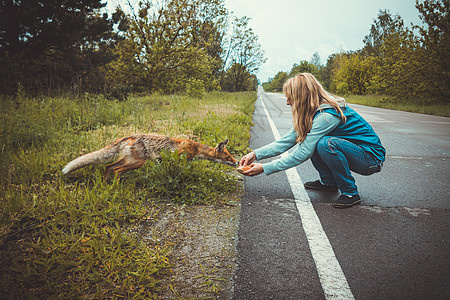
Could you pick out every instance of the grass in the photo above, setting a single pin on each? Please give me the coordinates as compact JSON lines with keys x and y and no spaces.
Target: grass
{"x":74,"y":236}
{"x":381,"y":101}
{"x":385,"y":102}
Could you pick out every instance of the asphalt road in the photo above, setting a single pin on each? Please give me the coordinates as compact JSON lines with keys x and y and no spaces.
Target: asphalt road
{"x":395,"y":245}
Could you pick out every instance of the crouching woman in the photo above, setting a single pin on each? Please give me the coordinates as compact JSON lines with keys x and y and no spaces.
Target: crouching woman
{"x":327,"y":131}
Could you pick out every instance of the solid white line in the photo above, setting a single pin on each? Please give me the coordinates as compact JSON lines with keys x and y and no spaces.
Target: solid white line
{"x":332,"y":278}
{"x":436,"y":122}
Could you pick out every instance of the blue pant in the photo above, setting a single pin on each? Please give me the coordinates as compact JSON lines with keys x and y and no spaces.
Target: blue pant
{"x":335,"y":158}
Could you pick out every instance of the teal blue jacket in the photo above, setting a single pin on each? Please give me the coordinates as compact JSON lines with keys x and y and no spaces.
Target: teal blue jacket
{"x":326,"y":122}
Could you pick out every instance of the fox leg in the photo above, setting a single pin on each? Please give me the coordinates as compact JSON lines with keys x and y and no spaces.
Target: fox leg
{"x":129,"y":166}
{"x":111,"y":167}
{"x":123,"y":165}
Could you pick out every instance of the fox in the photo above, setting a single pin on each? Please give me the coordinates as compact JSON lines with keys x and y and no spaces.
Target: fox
{"x":133,"y":151}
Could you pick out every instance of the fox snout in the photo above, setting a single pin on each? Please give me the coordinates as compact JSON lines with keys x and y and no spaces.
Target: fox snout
{"x":232,"y":163}
{"x":226,"y":162}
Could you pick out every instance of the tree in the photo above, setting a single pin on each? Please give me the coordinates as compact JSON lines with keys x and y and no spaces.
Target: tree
{"x":276,"y":84}
{"x":242,"y":52}
{"x":391,"y":54}
{"x":238,"y":77}
{"x":435,"y":42}
{"x":326,"y":71}
{"x":397,"y":73}
{"x":172,"y":46}
{"x":416,"y":67}
{"x":315,"y":60}
{"x":334,"y":64}
{"x":383,"y":25}
{"x":48,"y":45}
{"x":305,"y":67}
{"x":354,"y":75}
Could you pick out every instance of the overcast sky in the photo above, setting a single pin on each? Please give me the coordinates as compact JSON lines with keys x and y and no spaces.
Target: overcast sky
{"x":292,"y":30}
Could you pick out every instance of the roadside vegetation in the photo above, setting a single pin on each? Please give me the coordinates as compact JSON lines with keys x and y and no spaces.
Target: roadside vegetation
{"x":181,"y":68}
{"x":437,"y":109}
{"x":77,"y":236}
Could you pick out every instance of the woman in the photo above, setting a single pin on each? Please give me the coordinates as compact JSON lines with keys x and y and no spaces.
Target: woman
{"x":336,"y":138}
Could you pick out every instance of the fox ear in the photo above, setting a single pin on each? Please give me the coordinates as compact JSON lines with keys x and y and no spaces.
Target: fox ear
{"x":221,"y":146}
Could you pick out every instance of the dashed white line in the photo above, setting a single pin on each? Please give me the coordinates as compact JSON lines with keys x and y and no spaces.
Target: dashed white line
{"x":332,"y":278}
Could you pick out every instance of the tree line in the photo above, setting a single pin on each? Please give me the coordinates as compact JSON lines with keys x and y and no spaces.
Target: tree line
{"x":407,"y":64}
{"x":167,"y":46}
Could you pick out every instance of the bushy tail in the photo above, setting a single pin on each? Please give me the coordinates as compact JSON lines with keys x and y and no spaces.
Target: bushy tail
{"x":100,"y":156}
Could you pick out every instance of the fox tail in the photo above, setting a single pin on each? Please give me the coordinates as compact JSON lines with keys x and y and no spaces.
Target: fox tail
{"x":100,"y":156}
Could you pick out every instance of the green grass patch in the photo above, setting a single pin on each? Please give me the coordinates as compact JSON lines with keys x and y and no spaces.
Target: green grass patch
{"x":176,"y":179}
{"x":389,"y":103}
{"x":75,"y":236}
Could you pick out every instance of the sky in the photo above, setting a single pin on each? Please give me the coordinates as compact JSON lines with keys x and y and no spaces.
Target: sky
{"x":290,"y":31}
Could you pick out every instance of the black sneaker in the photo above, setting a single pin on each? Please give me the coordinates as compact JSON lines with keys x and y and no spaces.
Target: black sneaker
{"x":345,"y":201}
{"x":317,"y":185}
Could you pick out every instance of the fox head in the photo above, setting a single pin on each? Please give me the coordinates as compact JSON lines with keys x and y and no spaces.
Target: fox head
{"x":222,"y":155}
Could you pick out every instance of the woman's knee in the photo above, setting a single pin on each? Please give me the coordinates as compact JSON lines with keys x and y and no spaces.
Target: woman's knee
{"x":328,"y":147}
{"x":322,"y":144}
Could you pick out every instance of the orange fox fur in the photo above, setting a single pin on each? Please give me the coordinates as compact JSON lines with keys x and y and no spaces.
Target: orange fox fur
{"x":134,"y":150}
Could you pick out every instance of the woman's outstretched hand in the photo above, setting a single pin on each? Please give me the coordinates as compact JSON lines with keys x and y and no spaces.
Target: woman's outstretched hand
{"x":247,"y":159}
{"x":253,"y":168}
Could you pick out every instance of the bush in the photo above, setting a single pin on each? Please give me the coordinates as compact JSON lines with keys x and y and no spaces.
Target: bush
{"x":195,"y":88}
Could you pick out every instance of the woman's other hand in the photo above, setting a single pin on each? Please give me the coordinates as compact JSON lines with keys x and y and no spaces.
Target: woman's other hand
{"x":254,"y":170}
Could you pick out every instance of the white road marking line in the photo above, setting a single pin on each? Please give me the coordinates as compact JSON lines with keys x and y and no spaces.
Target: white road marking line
{"x":332,"y":278}
{"x":404,"y":157}
{"x":435,"y":122}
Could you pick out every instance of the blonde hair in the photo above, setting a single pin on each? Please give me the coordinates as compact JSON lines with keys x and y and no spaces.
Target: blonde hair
{"x":306,"y":95}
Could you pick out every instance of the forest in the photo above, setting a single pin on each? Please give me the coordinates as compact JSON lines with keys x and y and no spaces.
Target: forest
{"x":408,"y":64}
{"x":74,"y":46}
